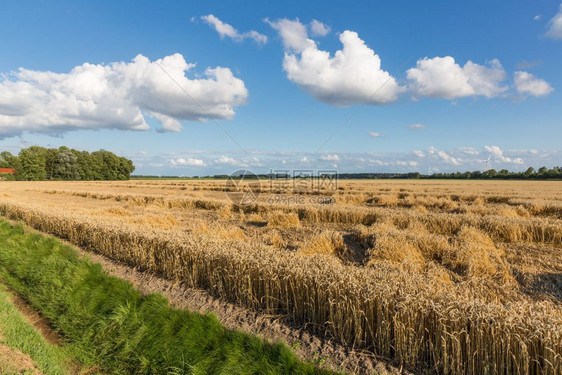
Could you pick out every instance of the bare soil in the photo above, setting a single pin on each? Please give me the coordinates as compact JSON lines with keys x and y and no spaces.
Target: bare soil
{"x":13,"y":361}
{"x":35,"y":319}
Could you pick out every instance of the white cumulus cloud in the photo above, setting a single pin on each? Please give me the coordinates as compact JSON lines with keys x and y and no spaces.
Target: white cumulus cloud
{"x":190,"y":162}
{"x":352,"y":75}
{"x":442,"y":77}
{"x":116,"y":96}
{"x":224,"y":29}
{"x":554,"y":28}
{"x":527,"y":83}
{"x":228,"y":161}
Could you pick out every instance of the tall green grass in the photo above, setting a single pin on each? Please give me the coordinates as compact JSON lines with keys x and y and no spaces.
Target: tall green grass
{"x":110,"y":324}
{"x":17,"y":333}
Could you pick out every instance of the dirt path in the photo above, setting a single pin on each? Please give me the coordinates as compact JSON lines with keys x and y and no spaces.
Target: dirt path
{"x":34,"y":318}
{"x":13,"y":361}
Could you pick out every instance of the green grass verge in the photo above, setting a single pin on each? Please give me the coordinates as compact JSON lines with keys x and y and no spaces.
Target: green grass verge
{"x":17,"y":333}
{"x":110,"y":324}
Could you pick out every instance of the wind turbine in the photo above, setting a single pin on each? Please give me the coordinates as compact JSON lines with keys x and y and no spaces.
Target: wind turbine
{"x":488,"y":165}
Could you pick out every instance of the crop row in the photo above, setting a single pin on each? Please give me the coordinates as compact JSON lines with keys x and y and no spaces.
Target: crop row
{"x":415,"y":321}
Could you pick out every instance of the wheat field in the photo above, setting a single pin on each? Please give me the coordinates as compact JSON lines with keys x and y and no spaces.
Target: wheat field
{"x":448,"y":277}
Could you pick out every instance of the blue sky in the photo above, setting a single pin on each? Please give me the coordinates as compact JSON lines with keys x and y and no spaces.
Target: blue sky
{"x":453,"y":83}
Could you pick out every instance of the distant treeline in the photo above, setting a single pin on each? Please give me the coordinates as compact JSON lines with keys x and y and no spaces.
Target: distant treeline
{"x":542,"y":173}
{"x":40,"y":163}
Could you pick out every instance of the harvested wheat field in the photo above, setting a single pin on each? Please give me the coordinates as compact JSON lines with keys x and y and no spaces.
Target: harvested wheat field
{"x":449,"y":277}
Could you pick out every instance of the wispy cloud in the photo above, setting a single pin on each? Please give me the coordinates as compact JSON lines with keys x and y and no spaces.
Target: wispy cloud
{"x":497,"y":154}
{"x":421,"y":160}
{"x":528,"y":64}
{"x":417,"y":126}
{"x":554,"y":27}
{"x":226,"y":30}
{"x":328,"y":157}
{"x":318,"y":28}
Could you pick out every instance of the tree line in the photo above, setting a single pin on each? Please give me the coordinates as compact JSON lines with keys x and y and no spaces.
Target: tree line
{"x":543,"y":173}
{"x":39,"y":163}
{"x":531,"y":173}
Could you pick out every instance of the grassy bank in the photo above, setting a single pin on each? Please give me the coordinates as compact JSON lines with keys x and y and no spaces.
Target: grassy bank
{"x":22,"y":348}
{"x":109,"y":323}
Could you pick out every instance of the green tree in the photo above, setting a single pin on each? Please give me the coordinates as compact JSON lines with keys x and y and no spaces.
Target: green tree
{"x":32,"y":164}
{"x":126,"y":167}
{"x":84,"y":161}
{"x":7,"y":160}
{"x":66,"y":165}
{"x":51,"y":159}
{"x":108,"y":166}
{"x":7,"y":177}
{"x":529,"y":172}
{"x":39,"y":163}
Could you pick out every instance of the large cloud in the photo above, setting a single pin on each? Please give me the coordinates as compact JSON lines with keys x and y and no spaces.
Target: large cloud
{"x":224,"y":29}
{"x":555,"y":25}
{"x":352,"y":75}
{"x":526,"y":83}
{"x":442,"y":77}
{"x":116,"y":96}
